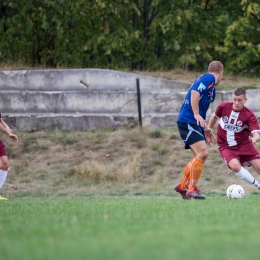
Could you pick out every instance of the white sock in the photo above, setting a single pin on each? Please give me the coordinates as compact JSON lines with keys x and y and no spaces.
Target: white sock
{"x":3,"y":175}
{"x":246,"y":176}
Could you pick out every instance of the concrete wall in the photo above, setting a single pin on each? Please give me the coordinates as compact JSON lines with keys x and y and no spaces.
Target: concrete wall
{"x":56,"y":99}
{"x":69,"y":80}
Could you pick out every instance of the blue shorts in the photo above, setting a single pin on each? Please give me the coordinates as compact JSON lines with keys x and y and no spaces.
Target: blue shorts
{"x":190,"y":133}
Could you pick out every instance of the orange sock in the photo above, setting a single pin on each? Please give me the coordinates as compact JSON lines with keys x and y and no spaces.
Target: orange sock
{"x":195,"y":172}
{"x":184,"y":184}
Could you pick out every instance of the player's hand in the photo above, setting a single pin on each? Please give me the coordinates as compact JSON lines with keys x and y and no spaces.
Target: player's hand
{"x":208,"y":131}
{"x":252,"y":140}
{"x":200,"y":120}
{"x":14,"y":137}
{"x":210,"y":139}
{"x":209,"y":136}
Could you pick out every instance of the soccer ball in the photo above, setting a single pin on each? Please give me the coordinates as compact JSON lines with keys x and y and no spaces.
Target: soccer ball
{"x":235,"y":191}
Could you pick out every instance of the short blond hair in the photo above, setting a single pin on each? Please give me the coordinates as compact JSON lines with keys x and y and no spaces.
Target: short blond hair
{"x":215,"y":66}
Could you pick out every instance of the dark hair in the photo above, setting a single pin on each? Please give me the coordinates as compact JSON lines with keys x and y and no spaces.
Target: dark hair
{"x":215,"y":66}
{"x":239,"y":92}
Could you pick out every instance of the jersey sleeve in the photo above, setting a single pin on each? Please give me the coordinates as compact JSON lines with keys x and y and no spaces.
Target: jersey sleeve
{"x":203,"y":83}
{"x":253,"y":124}
{"x":218,"y":112}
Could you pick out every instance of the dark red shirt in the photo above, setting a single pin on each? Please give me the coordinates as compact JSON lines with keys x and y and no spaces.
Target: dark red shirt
{"x":234,"y":127}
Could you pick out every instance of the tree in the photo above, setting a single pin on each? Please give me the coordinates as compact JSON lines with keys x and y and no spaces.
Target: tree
{"x":242,"y":40}
{"x":135,"y":34}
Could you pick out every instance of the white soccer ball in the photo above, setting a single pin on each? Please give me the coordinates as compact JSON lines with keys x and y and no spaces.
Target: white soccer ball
{"x":235,"y":191}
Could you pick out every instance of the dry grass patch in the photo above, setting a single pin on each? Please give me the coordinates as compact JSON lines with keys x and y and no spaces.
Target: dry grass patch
{"x":108,"y":161}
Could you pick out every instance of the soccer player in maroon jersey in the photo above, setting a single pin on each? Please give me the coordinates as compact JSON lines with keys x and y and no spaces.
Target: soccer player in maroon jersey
{"x":4,"y":164}
{"x":237,"y":133}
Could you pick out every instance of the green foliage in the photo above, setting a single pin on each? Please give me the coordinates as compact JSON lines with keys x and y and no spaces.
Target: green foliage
{"x":133,"y":34}
{"x":242,"y":40}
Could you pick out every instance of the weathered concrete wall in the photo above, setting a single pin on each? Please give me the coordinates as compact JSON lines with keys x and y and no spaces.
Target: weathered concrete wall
{"x":57,"y":99}
{"x":69,"y":80}
{"x":89,"y":102}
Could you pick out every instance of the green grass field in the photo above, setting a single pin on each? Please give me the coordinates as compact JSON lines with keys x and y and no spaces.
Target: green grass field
{"x":129,"y":228}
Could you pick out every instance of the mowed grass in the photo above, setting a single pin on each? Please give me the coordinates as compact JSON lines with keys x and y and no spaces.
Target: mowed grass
{"x":129,"y":228}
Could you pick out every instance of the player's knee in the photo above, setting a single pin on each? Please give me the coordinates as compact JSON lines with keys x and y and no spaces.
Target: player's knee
{"x":203,"y":155}
{"x":236,"y":167}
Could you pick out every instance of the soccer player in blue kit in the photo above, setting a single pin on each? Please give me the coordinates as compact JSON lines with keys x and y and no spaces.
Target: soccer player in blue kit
{"x":192,"y":126}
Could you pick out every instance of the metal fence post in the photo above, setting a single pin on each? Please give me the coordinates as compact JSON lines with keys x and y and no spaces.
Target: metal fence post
{"x":139,"y":102}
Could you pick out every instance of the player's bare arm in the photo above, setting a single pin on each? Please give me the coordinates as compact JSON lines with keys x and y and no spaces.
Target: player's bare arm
{"x":6,"y":131}
{"x":5,"y":125}
{"x":212,"y":121}
{"x":195,"y":98}
{"x":255,"y":137}
{"x":209,"y":135}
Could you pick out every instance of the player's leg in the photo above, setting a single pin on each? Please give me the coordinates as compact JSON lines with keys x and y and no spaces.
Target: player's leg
{"x":200,"y":152}
{"x":235,"y":165}
{"x":185,"y":181}
{"x":3,"y":170}
{"x":193,"y":138}
{"x":236,"y":159}
{"x":256,"y":165}
{"x":183,"y":186}
{"x":196,"y":165}
{"x":4,"y":167}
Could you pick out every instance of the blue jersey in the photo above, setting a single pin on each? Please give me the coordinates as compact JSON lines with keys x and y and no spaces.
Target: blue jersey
{"x":205,"y":85}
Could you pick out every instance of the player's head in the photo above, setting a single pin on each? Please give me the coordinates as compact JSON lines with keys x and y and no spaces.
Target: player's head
{"x":216,"y":68}
{"x":239,"y":98}
{"x":239,"y":92}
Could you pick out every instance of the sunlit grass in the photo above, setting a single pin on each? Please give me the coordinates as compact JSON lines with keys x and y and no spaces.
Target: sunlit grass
{"x":153,"y":227}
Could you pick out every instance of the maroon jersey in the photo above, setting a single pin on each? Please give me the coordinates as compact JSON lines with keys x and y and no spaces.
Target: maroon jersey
{"x":2,"y":149}
{"x":234,"y":127}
